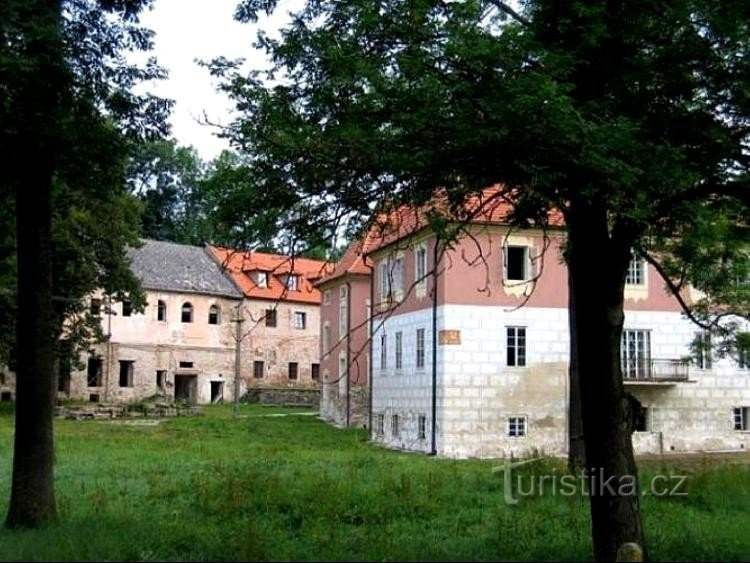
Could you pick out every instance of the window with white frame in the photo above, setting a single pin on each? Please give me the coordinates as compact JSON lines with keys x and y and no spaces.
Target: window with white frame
{"x":326,"y":339}
{"x":291,"y":282}
{"x":260,"y":278}
{"x":394,"y":426}
{"x":420,"y":348}
{"x":517,"y":262}
{"x":743,"y":350}
{"x":383,"y":351}
{"x":385,"y":282}
{"x":397,"y":273}
{"x":636,"y":271}
{"x":421,"y":427}
{"x":517,"y":426}
{"x":343,"y":312}
{"x":515,"y":346}
{"x":635,"y":352}
{"x":741,"y":418}
{"x":702,"y":350}
{"x":380,"y":424}
{"x":300,"y":320}
{"x":399,"y":350}
{"x":420,"y":264}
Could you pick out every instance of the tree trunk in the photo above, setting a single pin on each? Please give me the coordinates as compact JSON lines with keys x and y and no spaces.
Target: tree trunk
{"x":32,"y":500}
{"x":576,"y":446}
{"x":36,"y":98}
{"x":597,"y":271}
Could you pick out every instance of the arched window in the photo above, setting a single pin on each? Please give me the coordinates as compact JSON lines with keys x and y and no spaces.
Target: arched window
{"x":161,"y":311}
{"x":187,"y":313}
{"x":214,"y":315}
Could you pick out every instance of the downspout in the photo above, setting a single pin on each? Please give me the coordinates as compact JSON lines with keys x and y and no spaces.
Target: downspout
{"x":433,"y":451}
{"x":348,"y":350}
{"x":370,"y":369}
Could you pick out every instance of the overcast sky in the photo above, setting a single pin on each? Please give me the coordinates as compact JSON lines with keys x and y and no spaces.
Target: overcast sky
{"x":187,"y":30}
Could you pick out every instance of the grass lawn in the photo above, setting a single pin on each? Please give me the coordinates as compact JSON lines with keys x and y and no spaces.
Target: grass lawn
{"x":259,"y":487}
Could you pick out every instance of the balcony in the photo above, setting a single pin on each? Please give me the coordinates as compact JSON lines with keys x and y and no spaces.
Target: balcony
{"x":646,"y":371}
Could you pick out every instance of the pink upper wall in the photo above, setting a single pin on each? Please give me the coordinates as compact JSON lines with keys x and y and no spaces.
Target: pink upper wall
{"x":357,"y":345}
{"x":471,"y":273}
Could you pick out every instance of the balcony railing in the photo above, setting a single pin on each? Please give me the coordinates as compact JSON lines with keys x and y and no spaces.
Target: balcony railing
{"x":654,"y":371}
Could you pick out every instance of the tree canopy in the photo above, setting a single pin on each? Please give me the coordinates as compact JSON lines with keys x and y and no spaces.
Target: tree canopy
{"x":631,"y":118}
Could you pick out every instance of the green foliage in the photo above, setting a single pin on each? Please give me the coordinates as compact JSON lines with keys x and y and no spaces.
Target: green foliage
{"x":293,"y":488}
{"x":88,"y":134}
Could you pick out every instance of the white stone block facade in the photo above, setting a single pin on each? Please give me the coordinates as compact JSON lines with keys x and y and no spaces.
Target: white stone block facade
{"x":479,"y":395}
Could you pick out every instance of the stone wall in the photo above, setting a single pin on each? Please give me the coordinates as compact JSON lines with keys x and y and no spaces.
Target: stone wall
{"x":333,"y":405}
{"x":283,"y":396}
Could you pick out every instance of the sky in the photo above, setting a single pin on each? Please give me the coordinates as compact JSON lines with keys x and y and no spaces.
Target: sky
{"x":187,"y":30}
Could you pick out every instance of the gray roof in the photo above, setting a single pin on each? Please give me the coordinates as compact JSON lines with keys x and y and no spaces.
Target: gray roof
{"x":166,"y":266}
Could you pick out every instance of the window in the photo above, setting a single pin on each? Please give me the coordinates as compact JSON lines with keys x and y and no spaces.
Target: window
{"x":327,"y":297}
{"x":300,"y":320}
{"x":517,"y":426}
{"x":394,"y":425}
{"x":516,"y":346}
{"x":96,"y":307}
{"x":399,"y":350}
{"x":636,"y":271}
{"x":186,"y":364}
{"x":343,"y":312}
{"x":291,"y":282}
{"x":260,"y":278}
{"x":326,"y":339}
{"x":702,"y":350}
{"x":187,"y":313}
{"x":315,"y":372}
{"x":380,"y":424}
{"x":397,"y":273}
{"x":420,"y":348}
{"x":271,"y":317}
{"x":293,"y":367}
{"x":420,"y":265}
{"x":741,"y":417}
{"x":161,"y":310}
{"x":126,"y":373}
{"x":94,"y":372}
{"x":127,"y":308}
{"x":214,"y":315}
{"x":517,"y":263}
{"x":743,"y":350}
{"x":421,"y":427}
{"x":258,"y":369}
{"x":635,"y":352}
{"x":385,"y":282}
{"x":343,"y":378}
{"x":161,"y":378}
{"x":383,"y":351}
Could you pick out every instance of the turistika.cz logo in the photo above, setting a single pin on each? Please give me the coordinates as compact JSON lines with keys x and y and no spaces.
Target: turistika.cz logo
{"x":587,"y":483}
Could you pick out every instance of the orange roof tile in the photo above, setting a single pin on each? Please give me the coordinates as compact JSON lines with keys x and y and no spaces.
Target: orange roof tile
{"x":354,"y":260}
{"x":240,"y":266}
{"x":491,"y":205}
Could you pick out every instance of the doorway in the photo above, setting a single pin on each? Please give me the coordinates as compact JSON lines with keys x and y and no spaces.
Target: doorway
{"x":185,"y":388}
{"x":217,"y":392}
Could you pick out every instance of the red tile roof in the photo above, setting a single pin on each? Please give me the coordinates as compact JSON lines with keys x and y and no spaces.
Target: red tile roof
{"x":240,"y":265}
{"x":491,"y":205}
{"x":354,"y":260}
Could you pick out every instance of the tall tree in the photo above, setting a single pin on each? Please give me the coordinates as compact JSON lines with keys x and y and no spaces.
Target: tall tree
{"x":67,"y":108}
{"x":629,"y":117}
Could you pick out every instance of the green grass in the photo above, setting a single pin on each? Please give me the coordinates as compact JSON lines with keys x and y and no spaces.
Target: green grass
{"x":293,"y":488}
